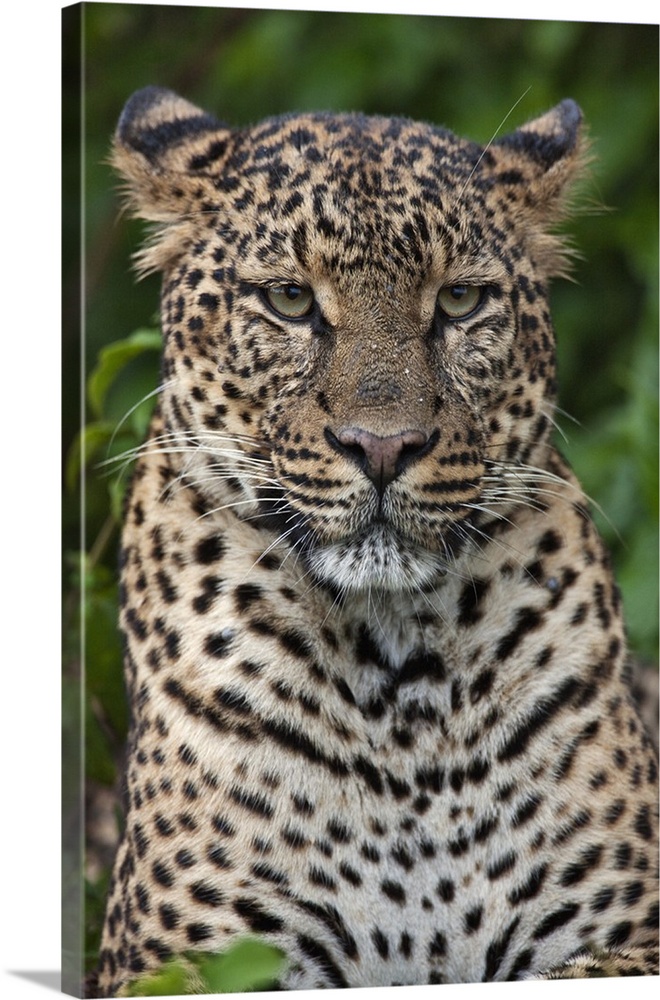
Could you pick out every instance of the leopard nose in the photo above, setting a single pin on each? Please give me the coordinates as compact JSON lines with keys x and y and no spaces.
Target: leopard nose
{"x":381,"y":459}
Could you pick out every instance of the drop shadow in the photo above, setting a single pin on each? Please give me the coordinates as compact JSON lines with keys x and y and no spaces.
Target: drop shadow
{"x":49,"y":980}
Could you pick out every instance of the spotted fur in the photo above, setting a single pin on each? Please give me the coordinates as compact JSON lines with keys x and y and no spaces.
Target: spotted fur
{"x":374,"y":650}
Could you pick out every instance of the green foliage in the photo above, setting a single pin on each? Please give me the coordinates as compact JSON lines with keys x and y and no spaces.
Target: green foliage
{"x":112,"y":359}
{"x":106,"y":443}
{"x":246,"y":966}
{"x":95,"y":896}
{"x":618,"y":459}
{"x":125,"y":375}
{"x":99,"y":460}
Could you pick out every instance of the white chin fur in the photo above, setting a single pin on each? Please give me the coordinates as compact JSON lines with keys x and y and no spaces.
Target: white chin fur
{"x":378,"y":559}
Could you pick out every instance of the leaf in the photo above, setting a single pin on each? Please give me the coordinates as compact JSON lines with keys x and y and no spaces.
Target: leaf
{"x":172,"y":979}
{"x":113,"y":358}
{"x":88,"y":442}
{"x":250,"y":964}
{"x":117,"y":489}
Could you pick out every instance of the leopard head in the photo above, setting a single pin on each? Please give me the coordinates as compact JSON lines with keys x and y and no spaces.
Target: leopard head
{"x":355,"y":318}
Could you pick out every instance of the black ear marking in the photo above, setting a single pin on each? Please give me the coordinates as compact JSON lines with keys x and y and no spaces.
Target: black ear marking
{"x":154,"y":119}
{"x":549,"y":138}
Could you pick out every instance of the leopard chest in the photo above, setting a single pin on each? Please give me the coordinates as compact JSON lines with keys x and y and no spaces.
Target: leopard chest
{"x":397,"y":855}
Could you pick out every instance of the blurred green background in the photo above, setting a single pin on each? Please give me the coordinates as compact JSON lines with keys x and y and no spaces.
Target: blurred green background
{"x":467,"y":74}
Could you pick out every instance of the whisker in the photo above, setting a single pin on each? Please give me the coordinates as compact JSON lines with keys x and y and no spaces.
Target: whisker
{"x":511,"y":550}
{"x":154,"y":392}
{"x":492,"y":140}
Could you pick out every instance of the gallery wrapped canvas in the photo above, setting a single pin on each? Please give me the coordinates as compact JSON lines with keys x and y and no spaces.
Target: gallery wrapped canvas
{"x":364,"y":622}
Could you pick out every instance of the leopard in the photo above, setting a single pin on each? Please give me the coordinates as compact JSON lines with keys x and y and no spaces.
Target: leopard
{"x":375,"y":656}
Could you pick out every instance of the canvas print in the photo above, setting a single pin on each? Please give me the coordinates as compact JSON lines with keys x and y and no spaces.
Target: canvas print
{"x":365,"y":616}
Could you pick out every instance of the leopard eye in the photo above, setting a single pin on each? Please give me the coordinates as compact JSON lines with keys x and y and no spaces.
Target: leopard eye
{"x":458,"y":301}
{"x":290,"y":301}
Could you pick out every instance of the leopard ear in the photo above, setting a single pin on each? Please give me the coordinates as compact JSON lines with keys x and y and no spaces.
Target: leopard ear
{"x":164,"y":148}
{"x":549,"y":139}
{"x":553,"y":149}
{"x":543,"y":159}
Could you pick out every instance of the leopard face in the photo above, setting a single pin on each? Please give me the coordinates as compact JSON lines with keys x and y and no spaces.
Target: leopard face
{"x":358,"y":348}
